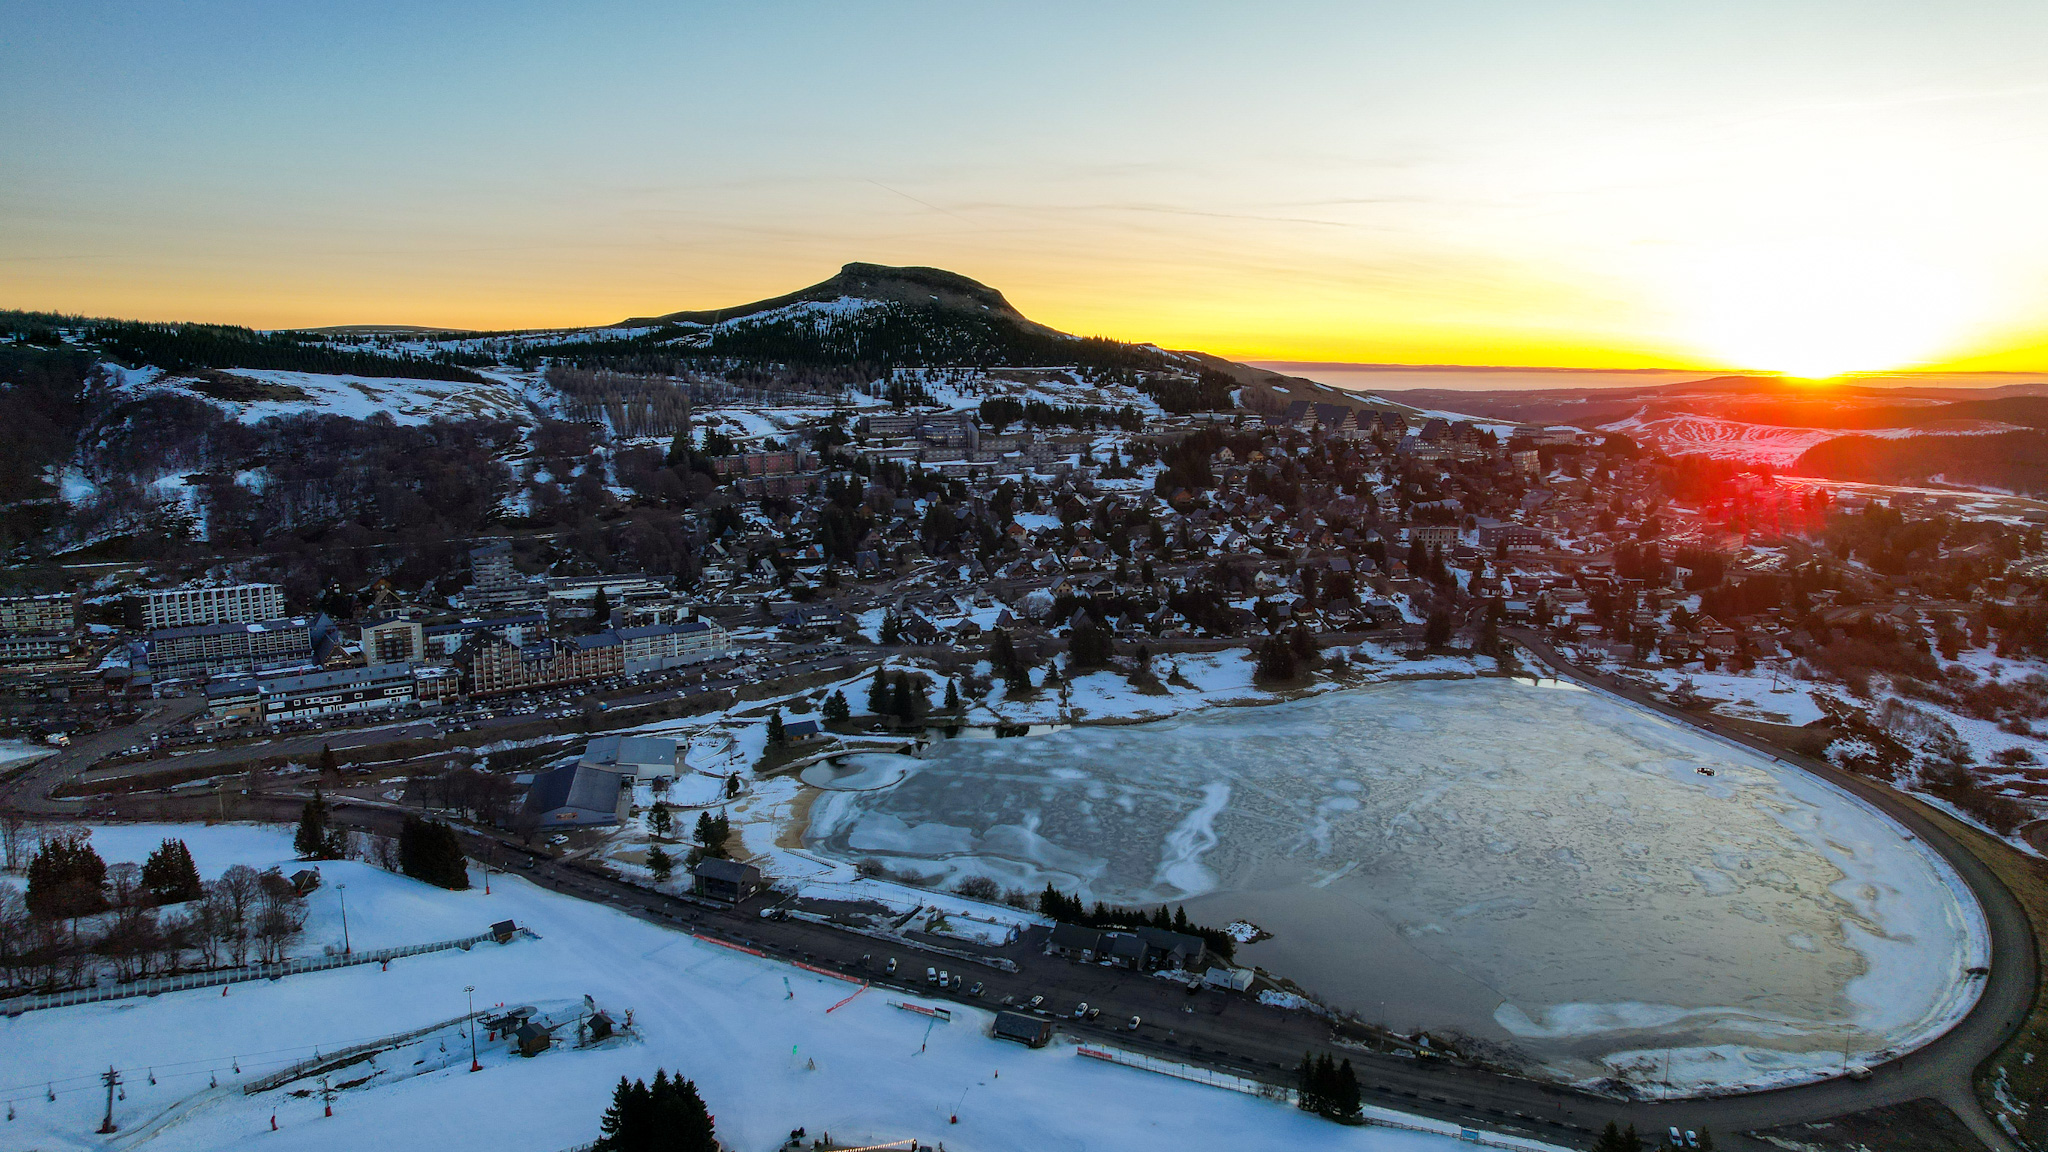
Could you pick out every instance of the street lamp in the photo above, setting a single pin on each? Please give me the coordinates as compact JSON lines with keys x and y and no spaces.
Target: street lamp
{"x":341,"y":890}
{"x":469,"y":990}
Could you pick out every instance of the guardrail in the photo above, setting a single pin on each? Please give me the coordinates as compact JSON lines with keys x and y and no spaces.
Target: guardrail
{"x":161,"y":984}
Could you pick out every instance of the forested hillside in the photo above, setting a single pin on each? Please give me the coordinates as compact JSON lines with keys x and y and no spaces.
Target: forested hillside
{"x":2014,"y":461}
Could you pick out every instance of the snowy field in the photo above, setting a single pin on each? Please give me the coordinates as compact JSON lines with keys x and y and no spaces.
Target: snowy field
{"x":1537,"y":866}
{"x":17,"y":751}
{"x":755,"y":1035}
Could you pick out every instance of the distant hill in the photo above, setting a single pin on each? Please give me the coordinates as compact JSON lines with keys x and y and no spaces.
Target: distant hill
{"x":2013,"y":461}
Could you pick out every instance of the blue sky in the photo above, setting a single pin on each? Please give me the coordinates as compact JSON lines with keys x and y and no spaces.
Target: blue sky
{"x":1592,"y":183}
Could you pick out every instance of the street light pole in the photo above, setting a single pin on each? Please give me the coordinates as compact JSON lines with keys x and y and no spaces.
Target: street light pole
{"x":341,"y":890}
{"x":469,"y":990}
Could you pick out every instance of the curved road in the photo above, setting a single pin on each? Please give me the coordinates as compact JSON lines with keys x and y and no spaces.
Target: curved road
{"x":1241,"y":1037}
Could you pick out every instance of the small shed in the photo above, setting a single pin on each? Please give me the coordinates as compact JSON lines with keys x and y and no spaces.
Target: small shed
{"x":1231,"y":979}
{"x":531,"y":1039}
{"x":727,"y":880}
{"x":503,"y":931}
{"x":305,"y":880}
{"x":601,"y":1027}
{"x":1030,"y":1031}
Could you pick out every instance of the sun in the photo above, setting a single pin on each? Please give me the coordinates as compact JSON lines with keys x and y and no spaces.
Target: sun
{"x":1818,"y":312}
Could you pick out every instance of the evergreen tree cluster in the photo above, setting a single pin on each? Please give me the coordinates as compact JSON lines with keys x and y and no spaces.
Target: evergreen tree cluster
{"x":712,"y":833}
{"x":1008,"y":662}
{"x":66,"y":878}
{"x":317,"y":838}
{"x":1327,"y":1088}
{"x":902,"y":695}
{"x":837,"y":711}
{"x":1070,"y":910}
{"x":665,"y":1116}
{"x":183,"y":347}
{"x":169,"y":876}
{"x":429,"y":851}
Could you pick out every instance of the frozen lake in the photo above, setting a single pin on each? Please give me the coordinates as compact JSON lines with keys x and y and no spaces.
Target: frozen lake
{"x":1537,"y":866}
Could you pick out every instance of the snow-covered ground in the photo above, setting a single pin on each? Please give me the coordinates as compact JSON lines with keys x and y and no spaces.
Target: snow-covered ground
{"x":356,"y":397}
{"x":16,"y":751}
{"x":755,"y":1035}
{"x":1619,"y":884}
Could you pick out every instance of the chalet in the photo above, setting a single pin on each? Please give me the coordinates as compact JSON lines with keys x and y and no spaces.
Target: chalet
{"x":1030,"y":1031}
{"x":727,"y":880}
{"x":531,"y":1039}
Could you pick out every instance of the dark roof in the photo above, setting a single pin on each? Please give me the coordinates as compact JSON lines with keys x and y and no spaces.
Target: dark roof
{"x":730,"y":871}
{"x":574,"y":786}
{"x":1075,"y":936}
{"x":1166,"y":941}
{"x":1019,"y":1025}
{"x":1125,"y":944}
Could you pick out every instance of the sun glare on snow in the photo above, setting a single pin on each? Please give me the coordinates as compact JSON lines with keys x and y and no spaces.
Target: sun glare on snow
{"x":1820,"y":313}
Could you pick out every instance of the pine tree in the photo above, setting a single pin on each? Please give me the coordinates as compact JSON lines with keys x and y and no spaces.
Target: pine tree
{"x":878,"y":694}
{"x":312,"y":841}
{"x":169,"y":874}
{"x":899,"y":698}
{"x":952,"y":696}
{"x":600,"y":610}
{"x":1347,"y":1101}
{"x":836,"y":710}
{"x":1307,"y":1087}
{"x":712,"y":833}
{"x":777,"y":737}
{"x":660,"y":819}
{"x":66,"y":879}
{"x":666,"y":1116}
{"x":429,"y":850}
{"x":1277,"y":661}
{"x":660,"y":863}
{"x":328,"y":765}
{"x":1436,"y":633}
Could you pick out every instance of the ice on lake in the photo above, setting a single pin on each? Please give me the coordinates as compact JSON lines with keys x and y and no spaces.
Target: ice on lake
{"x":1535,"y":866}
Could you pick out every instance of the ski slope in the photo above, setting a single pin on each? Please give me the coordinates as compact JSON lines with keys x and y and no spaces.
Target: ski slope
{"x":754,"y":1034}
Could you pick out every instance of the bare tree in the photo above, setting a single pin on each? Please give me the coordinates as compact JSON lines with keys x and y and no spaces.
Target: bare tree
{"x":280,"y":915}
{"x":14,"y":840}
{"x":241,"y":885}
{"x":16,"y":936}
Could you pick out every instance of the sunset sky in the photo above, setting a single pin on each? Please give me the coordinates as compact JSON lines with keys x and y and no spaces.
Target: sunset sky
{"x":1798,"y":186}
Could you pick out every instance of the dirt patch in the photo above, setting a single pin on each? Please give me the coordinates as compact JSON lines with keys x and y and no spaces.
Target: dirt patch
{"x":241,"y":389}
{"x":791,"y":834}
{"x":1922,"y":1125}
{"x":1807,"y":741}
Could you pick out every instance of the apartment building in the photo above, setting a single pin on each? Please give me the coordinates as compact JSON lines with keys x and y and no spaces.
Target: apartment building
{"x":491,"y":666}
{"x":37,"y":615}
{"x":221,"y":604}
{"x":229,"y":649}
{"x":310,"y":695}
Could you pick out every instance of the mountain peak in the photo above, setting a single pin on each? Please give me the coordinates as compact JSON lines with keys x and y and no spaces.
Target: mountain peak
{"x":926,"y":287}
